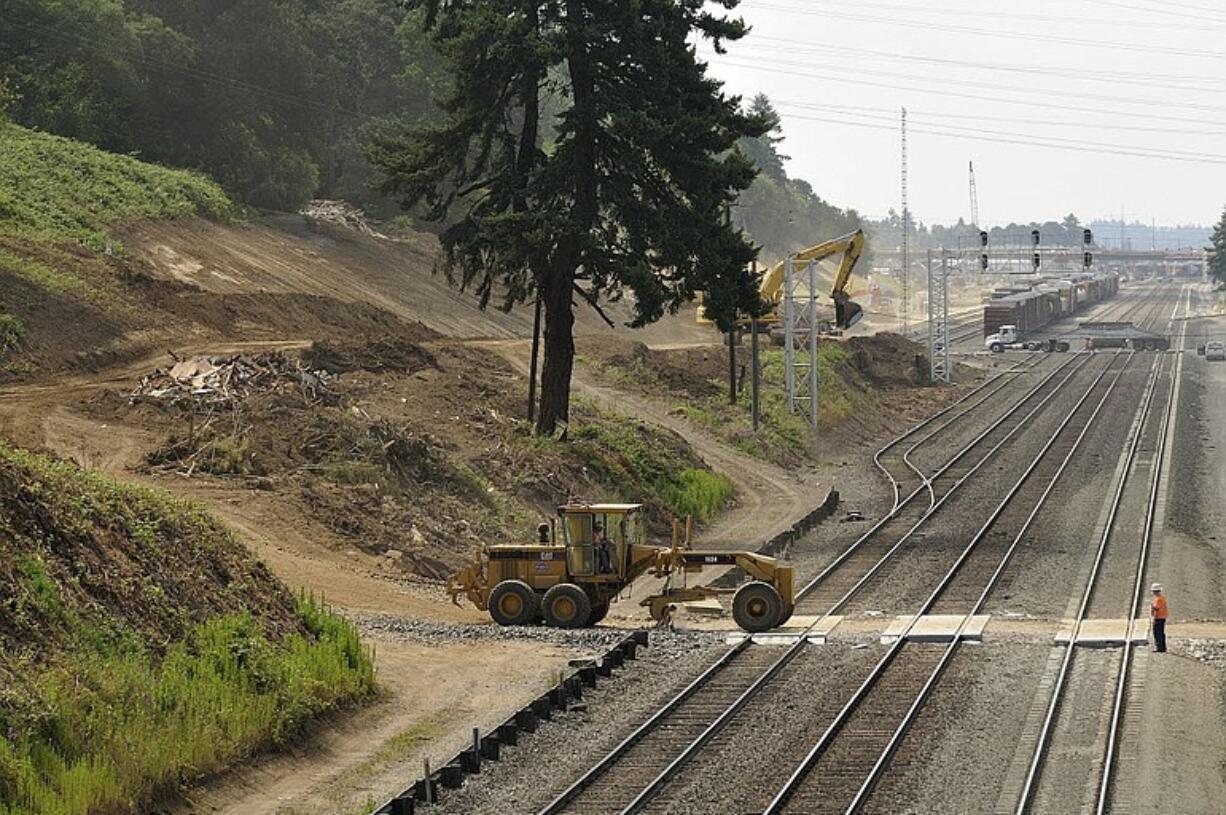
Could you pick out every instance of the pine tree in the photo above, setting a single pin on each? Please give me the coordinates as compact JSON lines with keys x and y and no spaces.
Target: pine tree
{"x":1217,"y":251}
{"x":632,"y":195}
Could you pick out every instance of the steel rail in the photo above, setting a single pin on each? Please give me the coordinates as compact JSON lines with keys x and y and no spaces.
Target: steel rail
{"x":958,"y":636}
{"x":802,"y":638}
{"x":1034,"y":769}
{"x":926,"y":481}
{"x":877,"y":456}
{"x":1083,"y":359}
{"x":1121,"y":685}
{"x":597,"y":770}
{"x":803,"y":769}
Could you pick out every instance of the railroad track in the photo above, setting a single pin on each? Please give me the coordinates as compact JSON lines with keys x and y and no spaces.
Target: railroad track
{"x":1074,"y":746}
{"x":624,"y":779}
{"x":617,"y":782}
{"x":895,"y":691}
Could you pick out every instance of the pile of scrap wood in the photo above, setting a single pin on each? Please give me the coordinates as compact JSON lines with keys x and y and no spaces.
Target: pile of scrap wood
{"x":342,"y":213}
{"x":224,"y":381}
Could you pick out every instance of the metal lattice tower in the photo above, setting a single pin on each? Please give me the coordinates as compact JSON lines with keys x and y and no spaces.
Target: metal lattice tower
{"x":974,"y":199}
{"x":906,"y":236}
{"x":938,"y":320}
{"x":800,"y":295}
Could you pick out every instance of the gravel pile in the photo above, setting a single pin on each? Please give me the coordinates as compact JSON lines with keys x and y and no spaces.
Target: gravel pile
{"x":663,"y":642}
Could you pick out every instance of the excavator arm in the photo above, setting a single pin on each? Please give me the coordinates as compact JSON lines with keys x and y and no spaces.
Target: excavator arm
{"x":847,"y":312}
{"x":851,"y":246}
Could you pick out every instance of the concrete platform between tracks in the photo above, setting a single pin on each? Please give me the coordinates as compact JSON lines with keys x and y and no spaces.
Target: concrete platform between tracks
{"x":812,"y":627}
{"x":935,"y":628}
{"x":1105,"y":633}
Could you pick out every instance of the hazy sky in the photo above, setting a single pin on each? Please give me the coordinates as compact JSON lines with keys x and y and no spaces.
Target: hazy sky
{"x":1112,"y":87}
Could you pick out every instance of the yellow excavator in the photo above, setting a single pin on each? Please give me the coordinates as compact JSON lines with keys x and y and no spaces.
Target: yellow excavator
{"x":847,"y":311}
{"x":570,"y":575}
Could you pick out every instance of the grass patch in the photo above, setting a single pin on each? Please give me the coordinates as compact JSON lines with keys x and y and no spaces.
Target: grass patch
{"x":783,"y":436}
{"x":114,"y":723}
{"x":701,"y":493}
{"x":12,"y":332}
{"x":142,"y":646}
{"x":57,"y":189}
{"x":638,"y":462}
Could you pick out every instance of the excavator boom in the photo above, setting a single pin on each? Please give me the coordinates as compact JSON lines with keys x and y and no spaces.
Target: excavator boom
{"x":847,"y":312}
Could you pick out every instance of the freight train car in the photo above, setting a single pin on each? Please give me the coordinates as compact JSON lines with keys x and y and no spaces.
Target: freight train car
{"x":1047,"y":300}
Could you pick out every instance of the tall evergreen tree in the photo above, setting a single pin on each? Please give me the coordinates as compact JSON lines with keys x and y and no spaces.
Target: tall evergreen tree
{"x":632,"y":194}
{"x":1217,"y":251}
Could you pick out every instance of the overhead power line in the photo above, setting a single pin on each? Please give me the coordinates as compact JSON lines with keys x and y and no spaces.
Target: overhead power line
{"x":1164,"y":104}
{"x":959,"y":95}
{"x":988,"y":14}
{"x":916,"y":113}
{"x":1207,"y":158}
{"x":1110,"y":45}
{"x":761,"y":42}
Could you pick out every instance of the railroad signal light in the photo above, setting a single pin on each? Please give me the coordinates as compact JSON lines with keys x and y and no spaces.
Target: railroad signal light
{"x":1088,"y":259}
{"x":983,"y":262}
{"x":1087,"y":237}
{"x":1038,"y":260}
{"x":983,"y":238}
{"x":1034,"y":236}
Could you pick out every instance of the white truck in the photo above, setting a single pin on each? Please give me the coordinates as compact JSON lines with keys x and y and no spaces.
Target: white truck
{"x":1009,"y":339}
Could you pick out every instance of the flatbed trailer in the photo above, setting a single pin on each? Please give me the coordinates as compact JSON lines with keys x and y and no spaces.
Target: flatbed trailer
{"x":1119,"y":335}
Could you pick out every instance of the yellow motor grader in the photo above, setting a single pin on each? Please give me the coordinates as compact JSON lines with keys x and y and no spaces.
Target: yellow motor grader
{"x":587,"y":555}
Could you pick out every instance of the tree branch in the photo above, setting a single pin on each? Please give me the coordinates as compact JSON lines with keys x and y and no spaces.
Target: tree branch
{"x":591,"y":301}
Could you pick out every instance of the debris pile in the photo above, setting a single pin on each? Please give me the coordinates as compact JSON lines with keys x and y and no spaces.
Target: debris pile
{"x":222,"y":382}
{"x":341,"y":213}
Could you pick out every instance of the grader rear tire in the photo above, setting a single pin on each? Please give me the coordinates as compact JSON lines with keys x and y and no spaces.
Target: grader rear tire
{"x":757,"y":607}
{"x":513,"y":602}
{"x":566,"y":606}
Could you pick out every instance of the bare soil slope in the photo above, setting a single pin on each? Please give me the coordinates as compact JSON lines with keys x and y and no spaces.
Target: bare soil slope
{"x":293,"y":253}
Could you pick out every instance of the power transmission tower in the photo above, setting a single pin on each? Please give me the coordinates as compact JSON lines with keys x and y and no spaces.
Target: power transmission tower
{"x":906,"y":236}
{"x":974,"y":199}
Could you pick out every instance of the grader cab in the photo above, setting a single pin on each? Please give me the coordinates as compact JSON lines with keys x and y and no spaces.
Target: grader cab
{"x":587,"y":555}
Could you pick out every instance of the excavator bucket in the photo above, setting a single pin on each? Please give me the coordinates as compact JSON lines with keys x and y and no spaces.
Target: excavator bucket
{"x":847,"y":312}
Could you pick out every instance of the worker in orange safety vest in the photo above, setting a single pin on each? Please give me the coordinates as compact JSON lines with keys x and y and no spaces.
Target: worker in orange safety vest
{"x":1157,"y":612}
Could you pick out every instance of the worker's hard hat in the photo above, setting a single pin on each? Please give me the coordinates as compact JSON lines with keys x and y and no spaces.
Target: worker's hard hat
{"x":1156,"y":587}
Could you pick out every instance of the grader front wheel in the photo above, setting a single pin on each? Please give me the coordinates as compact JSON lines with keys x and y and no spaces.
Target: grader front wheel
{"x":757,"y":607}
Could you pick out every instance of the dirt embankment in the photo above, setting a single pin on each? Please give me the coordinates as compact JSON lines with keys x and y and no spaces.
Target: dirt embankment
{"x":871,"y":388}
{"x":416,"y":453}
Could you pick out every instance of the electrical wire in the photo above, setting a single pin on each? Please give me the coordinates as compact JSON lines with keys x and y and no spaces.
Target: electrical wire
{"x":1120,"y":150}
{"x":915,"y":113}
{"x":957,"y":95}
{"x":987,"y":32}
{"x":1003,"y":15}
{"x":760,"y":42}
{"x":1054,"y":140}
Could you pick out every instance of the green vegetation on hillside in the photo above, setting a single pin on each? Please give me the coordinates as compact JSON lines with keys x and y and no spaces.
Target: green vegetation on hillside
{"x":58,"y":200}
{"x":270,"y":98}
{"x":697,"y":390}
{"x":141,"y":646}
{"x":59,"y":190}
{"x":641,"y":463}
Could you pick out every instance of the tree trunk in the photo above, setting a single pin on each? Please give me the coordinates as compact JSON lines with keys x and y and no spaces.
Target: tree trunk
{"x":559,"y":348}
{"x":559,"y":313}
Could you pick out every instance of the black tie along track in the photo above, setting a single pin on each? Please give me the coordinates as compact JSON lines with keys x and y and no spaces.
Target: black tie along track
{"x":638,"y":774}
